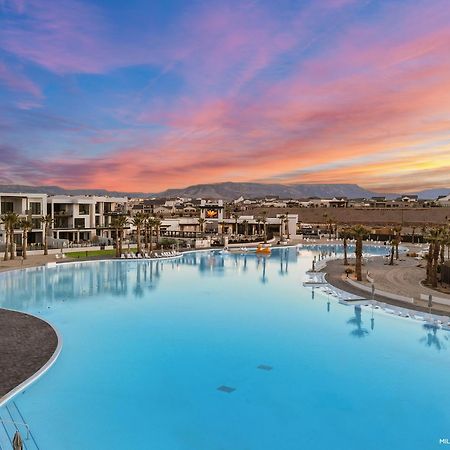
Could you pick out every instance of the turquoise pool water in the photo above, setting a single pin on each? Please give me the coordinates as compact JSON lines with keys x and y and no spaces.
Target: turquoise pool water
{"x":148,"y":344}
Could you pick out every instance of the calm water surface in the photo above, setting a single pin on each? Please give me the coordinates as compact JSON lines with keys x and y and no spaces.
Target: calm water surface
{"x":148,"y":344}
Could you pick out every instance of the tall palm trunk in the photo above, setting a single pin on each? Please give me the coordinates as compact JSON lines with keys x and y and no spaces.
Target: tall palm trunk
{"x":12,"y":253}
{"x":118,"y":252}
{"x":138,"y":238}
{"x":120,"y":237}
{"x":151,"y":238}
{"x":358,"y":256}
{"x":430,"y":262}
{"x":24,"y":243}
{"x":391,"y":261}
{"x":6,"y":255}
{"x":345,"y":251}
{"x":146,"y":237}
{"x":435,"y":264}
{"x":46,"y":239}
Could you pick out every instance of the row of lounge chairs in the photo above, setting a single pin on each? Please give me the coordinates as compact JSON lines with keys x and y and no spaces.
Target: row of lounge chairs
{"x":168,"y":254}
{"x":148,"y":256}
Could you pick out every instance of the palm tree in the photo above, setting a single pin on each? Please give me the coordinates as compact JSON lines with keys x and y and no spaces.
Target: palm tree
{"x":151,"y":223}
{"x":5,"y":220}
{"x":330,"y":223}
{"x":26,"y":224}
{"x":245,"y":223}
{"x":434,"y":238}
{"x":397,"y":240}
{"x":139,"y":222}
{"x":413,"y":234}
{"x":346,"y":234}
{"x":258,"y":221}
{"x":14,"y":222}
{"x":359,"y":232}
{"x":122,"y":223}
{"x":157,"y":223}
{"x":286,"y":223}
{"x":445,"y":239}
{"x":282,"y":218}
{"x":201,"y":223}
{"x":146,"y":230}
{"x":436,"y":252}
{"x":235,"y":216}
{"x":47,"y":221}
{"x":264,"y":222}
{"x":115,"y":223}
{"x":10,"y":221}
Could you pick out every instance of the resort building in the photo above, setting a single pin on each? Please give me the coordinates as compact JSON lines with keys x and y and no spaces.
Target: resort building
{"x":83,"y":218}
{"x":444,"y":201}
{"x":30,"y":205}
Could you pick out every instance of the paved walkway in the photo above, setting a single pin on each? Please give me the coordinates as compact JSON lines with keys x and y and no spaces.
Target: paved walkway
{"x":31,"y":261}
{"x":402,"y":279}
{"x":27,"y":343}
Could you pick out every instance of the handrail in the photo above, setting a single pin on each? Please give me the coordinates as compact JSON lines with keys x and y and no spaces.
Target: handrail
{"x":17,"y":423}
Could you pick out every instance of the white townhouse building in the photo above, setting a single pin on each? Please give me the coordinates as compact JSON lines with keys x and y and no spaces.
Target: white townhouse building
{"x":444,"y":201}
{"x":28,"y":205}
{"x":81,"y":218}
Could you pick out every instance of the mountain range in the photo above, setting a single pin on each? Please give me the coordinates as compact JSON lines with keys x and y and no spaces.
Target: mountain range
{"x":231,"y":190}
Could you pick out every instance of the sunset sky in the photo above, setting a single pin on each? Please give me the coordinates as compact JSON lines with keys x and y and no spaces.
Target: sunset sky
{"x":143,"y":95}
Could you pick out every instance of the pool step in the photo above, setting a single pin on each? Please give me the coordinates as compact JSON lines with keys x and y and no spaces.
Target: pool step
{"x":12,"y":420}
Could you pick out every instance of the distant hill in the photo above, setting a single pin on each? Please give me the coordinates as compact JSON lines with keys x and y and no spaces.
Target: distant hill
{"x":56,"y":190}
{"x":231,"y":191}
{"x":432,"y":194}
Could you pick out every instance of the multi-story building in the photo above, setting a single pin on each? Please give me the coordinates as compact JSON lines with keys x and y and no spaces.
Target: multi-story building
{"x":32,"y":206}
{"x":81,"y":218}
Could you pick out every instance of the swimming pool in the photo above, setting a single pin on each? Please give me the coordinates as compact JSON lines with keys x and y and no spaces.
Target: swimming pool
{"x":215,"y":351}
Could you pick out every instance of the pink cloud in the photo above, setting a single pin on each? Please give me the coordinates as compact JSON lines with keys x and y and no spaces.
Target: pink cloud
{"x":17,"y":81}
{"x":382,"y":88}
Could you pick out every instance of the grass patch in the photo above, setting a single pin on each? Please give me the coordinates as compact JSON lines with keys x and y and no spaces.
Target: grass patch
{"x":95,"y":253}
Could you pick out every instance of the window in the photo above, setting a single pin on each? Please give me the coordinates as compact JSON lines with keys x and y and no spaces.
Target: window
{"x":83,"y":209}
{"x":35,"y":208}
{"x":79,"y":223}
{"x":7,"y":207}
{"x":36,"y":224}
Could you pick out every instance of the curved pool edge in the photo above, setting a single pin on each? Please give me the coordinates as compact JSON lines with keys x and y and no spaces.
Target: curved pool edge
{"x":415,"y":313}
{"x":40,"y":372}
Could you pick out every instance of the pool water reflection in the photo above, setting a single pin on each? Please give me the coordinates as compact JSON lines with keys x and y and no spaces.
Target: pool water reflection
{"x":168,"y":354}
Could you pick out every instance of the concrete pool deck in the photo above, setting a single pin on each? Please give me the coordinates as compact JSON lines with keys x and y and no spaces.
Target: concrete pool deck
{"x":27,"y":344}
{"x":404,"y":278}
{"x":31,"y":261}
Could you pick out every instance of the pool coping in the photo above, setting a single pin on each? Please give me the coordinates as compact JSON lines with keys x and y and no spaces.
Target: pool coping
{"x":413,"y":314}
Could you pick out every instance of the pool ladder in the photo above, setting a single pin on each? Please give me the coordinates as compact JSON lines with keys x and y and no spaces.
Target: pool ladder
{"x":12,"y":420}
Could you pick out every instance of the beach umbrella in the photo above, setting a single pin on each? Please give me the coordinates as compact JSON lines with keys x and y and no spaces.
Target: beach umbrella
{"x":17,"y":441}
